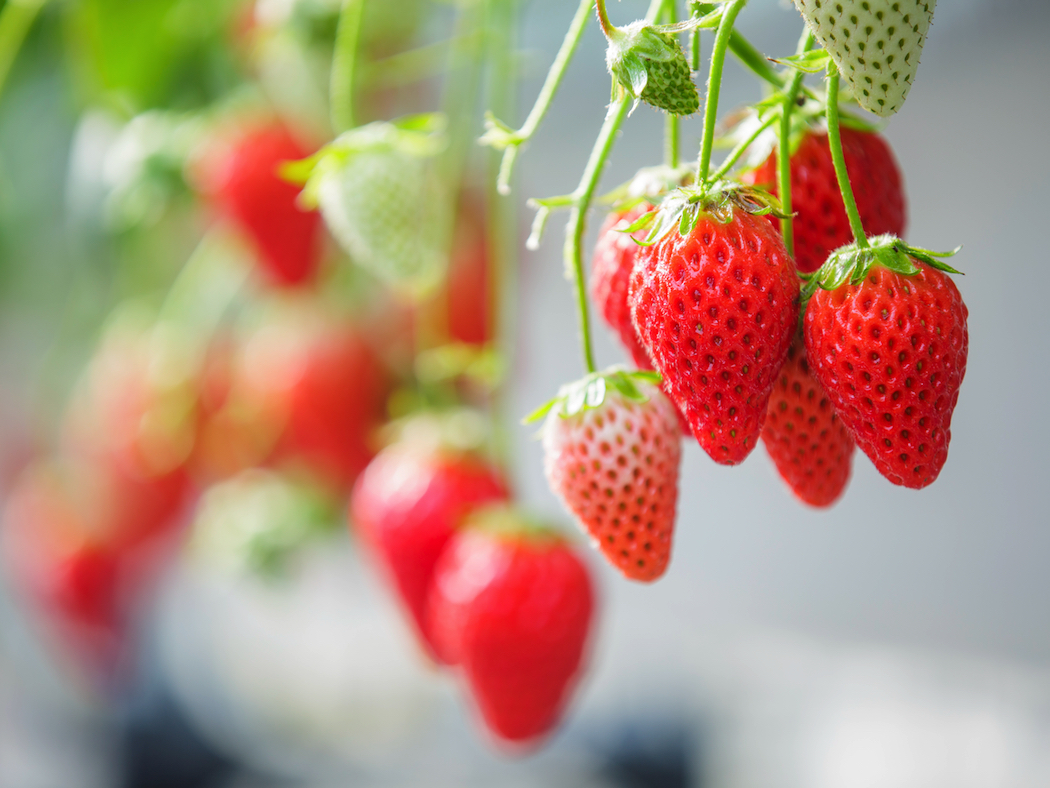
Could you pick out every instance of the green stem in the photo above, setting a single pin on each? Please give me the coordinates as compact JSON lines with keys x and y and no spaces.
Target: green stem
{"x":714,"y":85}
{"x":344,"y":64}
{"x":669,"y":16}
{"x":603,"y":19}
{"x":839,"y":160}
{"x":787,"y":226}
{"x":694,"y":38}
{"x":547,"y":93}
{"x":742,"y":146}
{"x":744,"y":51}
{"x":15,"y":20}
{"x":577,"y":218}
{"x":582,"y":197}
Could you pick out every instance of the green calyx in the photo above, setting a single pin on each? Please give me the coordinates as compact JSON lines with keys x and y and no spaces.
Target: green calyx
{"x":852,"y":263}
{"x":420,"y":136}
{"x":649,"y":184}
{"x":507,"y":523}
{"x":719,"y":199}
{"x":648,"y":62}
{"x":591,"y":391}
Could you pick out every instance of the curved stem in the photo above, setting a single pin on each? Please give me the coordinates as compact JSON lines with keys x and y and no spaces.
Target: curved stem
{"x":546,"y":96}
{"x":839,"y":160}
{"x":582,"y":197}
{"x":744,"y":51}
{"x":344,"y":64}
{"x":742,"y":146}
{"x":577,"y":218}
{"x":15,"y":20}
{"x":669,"y":16}
{"x":603,"y":19}
{"x":787,"y":226}
{"x":714,"y":85}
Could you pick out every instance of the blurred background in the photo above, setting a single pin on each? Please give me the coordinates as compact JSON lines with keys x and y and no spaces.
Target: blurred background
{"x":238,"y":636}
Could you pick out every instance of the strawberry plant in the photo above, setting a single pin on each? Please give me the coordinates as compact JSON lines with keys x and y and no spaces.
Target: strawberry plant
{"x":321,"y":262}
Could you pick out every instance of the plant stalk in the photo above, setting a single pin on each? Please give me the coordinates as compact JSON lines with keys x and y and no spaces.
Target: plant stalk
{"x":547,"y":93}
{"x":714,"y":85}
{"x":839,"y":160}
{"x":787,"y":226}
{"x":344,"y":65}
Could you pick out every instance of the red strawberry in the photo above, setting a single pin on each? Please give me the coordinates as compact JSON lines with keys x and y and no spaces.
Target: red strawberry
{"x":890,"y":351}
{"x":807,"y":441}
{"x":614,"y":258}
{"x":408,"y":503}
{"x":717,"y":309}
{"x":322,"y":385}
{"x":248,"y":188}
{"x":612,"y":446}
{"x":513,"y":603}
{"x":468,"y":277}
{"x":820,"y":222}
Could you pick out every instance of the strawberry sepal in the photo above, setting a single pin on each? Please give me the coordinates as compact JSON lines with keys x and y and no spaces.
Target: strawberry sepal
{"x":852,"y":263}
{"x":590,"y":392}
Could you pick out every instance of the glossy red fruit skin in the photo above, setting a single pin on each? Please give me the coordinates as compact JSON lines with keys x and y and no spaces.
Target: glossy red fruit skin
{"x":515,"y":614}
{"x":820,"y":223}
{"x":614,"y":258}
{"x":406,"y":506}
{"x":615,"y":468}
{"x":250,"y":191}
{"x":891,"y":354}
{"x":717,"y":311}
{"x":805,"y":438}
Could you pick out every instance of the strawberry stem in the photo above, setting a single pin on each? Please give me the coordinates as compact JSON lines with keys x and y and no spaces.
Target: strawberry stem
{"x":546,"y":96}
{"x":668,"y":16}
{"x":344,"y":65}
{"x":582,"y":198}
{"x":738,"y":151}
{"x":839,"y":160}
{"x":787,"y":225}
{"x":714,"y":85}
{"x":603,"y":19}
{"x":15,"y":21}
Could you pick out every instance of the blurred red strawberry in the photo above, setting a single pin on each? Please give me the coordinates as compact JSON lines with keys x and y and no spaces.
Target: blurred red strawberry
{"x":468,"y":276}
{"x":68,"y":550}
{"x":323,"y":390}
{"x":408,"y":503}
{"x":243,"y":180}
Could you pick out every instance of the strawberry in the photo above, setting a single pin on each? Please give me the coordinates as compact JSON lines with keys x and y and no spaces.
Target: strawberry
{"x":323,"y":388}
{"x":247,"y":188}
{"x":612,"y":447}
{"x":614,"y":257}
{"x":513,"y":604}
{"x":468,"y":277}
{"x":647,"y":61}
{"x":820,"y":218}
{"x":886,"y":337}
{"x":715,"y":302}
{"x":406,"y":506}
{"x":875,"y":43}
{"x":381,"y":197}
{"x":807,"y":441}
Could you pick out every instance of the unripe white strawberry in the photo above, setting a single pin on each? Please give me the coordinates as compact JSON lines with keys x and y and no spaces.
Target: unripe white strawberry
{"x":875,"y":43}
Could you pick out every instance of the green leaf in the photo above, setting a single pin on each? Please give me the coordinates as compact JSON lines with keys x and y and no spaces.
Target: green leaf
{"x":812,"y":62}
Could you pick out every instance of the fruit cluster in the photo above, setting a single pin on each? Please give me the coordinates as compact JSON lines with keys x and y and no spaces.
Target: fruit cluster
{"x":804,"y":322}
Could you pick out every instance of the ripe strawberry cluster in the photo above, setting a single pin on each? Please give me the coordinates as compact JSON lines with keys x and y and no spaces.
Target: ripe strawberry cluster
{"x":810,"y":354}
{"x":505,"y":602}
